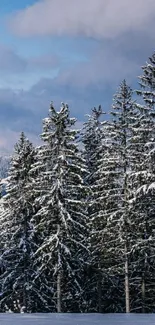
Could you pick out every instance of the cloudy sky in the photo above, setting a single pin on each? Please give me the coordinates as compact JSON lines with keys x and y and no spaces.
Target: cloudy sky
{"x":67,"y":50}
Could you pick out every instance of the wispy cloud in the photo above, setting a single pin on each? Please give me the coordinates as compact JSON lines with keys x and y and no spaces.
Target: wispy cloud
{"x":91,"y":18}
{"x":10,"y":61}
{"x":13,"y":63}
{"x":43,"y":62}
{"x":107,"y":66}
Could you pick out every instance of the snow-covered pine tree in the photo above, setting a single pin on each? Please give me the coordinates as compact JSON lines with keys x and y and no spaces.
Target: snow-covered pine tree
{"x":92,"y":142}
{"x":143,"y":180}
{"x":104,"y":203}
{"x":17,"y":232}
{"x":115,"y":195}
{"x":61,"y":256}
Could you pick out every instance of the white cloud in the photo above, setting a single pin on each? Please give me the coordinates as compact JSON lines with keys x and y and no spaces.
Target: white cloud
{"x":11,"y":63}
{"x":107,"y":66}
{"x":44,"y":62}
{"x":91,"y":18}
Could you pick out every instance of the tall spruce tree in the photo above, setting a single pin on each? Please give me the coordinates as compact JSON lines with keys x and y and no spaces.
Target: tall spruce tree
{"x":92,"y":140}
{"x":143,"y":178}
{"x":17,"y":233}
{"x":105,"y":200}
{"x":114,"y":169}
{"x":62,"y":230}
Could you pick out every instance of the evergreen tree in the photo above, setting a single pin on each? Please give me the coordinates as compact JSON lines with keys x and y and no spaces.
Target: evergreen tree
{"x":17,"y":232}
{"x":115,"y":194}
{"x":61,"y":228}
{"x":92,"y":138}
{"x":143,"y":178}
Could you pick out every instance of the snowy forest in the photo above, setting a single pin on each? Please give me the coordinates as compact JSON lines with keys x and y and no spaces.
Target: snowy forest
{"x":77,"y":221}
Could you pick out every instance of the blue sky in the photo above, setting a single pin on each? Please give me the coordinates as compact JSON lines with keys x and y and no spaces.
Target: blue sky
{"x":10,"y":6}
{"x":56,"y":50}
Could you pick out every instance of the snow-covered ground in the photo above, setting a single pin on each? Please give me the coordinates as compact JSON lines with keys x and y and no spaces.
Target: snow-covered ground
{"x":77,"y":319}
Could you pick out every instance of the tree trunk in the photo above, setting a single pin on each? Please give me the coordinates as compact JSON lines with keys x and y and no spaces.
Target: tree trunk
{"x":127,"y":294}
{"x":99,"y":289}
{"x":59,"y":292}
{"x":143,"y":293}
{"x":144,"y":285}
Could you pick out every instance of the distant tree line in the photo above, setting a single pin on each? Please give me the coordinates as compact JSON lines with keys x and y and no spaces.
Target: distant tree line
{"x":77,"y":223}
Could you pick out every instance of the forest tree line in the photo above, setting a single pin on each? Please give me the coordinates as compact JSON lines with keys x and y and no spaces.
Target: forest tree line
{"x":77,"y":223}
